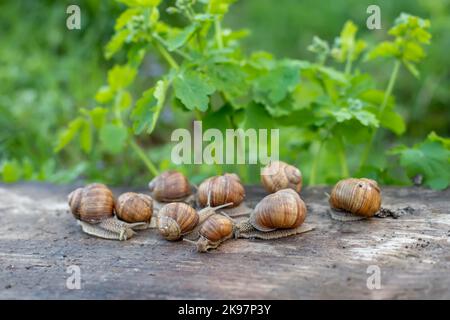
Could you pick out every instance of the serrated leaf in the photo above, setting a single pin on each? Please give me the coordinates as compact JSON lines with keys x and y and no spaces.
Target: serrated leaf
{"x":228,"y":78}
{"x":366,"y":118}
{"x":113,"y":138}
{"x":120,"y":77}
{"x":430,"y":159}
{"x":181,"y":38}
{"x":193,"y":90}
{"x":148,"y":108}
{"x":277,"y":83}
{"x":69,"y":133}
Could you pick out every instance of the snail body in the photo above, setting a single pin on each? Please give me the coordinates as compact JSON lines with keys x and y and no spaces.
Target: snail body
{"x":279,"y":175}
{"x":93,"y":207}
{"x":360,"y":197}
{"x":219,"y":190}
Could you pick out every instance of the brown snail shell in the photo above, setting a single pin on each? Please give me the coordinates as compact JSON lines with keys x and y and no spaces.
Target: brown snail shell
{"x":224,"y":189}
{"x":134,"y":207}
{"x":176,"y":219}
{"x":92,"y":204}
{"x":170,"y":186}
{"x":283,"y":209}
{"x":216,"y":229}
{"x":358,"y":196}
{"x":279,"y":175}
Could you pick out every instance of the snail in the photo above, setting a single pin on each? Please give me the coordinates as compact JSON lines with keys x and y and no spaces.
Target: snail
{"x":215,"y":230}
{"x":135,"y":207}
{"x":170,"y":186}
{"x":278,"y":215}
{"x":279,"y":175}
{"x":178,"y":219}
{"x":93,"y":207}
{"x":355,"y":199}
{"x":226,"y":188}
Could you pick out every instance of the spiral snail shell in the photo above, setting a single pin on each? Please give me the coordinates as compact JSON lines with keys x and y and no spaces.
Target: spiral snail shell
{"x":93,"y":203}
{"x":283,"y":209}
{"x":215,"y":230}
{"x":176,"y":219}
{"x":279,"y":175}
{"x":222,"y":189}
{"x":134,"y":207}
{"x":170,"y":186}
{"x":361,"y":197}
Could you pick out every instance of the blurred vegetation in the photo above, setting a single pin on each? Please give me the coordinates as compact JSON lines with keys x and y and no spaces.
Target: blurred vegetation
{"x":48,"y":74}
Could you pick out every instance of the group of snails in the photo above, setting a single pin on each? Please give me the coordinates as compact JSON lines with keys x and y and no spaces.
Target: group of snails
{"x":208,"y":216}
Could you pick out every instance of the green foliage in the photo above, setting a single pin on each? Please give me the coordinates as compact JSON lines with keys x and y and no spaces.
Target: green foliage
{"x":430,"y":158}
{"x":170,"y":67}
{"x":410,"y":34}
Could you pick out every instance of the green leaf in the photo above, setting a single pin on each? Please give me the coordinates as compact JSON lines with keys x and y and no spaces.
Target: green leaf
{"x":11,"y":171}
{"x":104,"y":94}
{"x":125,"y":100}
{"x":181,"y":38}
{"x":384,"y":49}
{"x":228,"y":78}
{"x":116,"y":43}
{"x":98,"y":116}
{"x":219,"y":7}
{"x":277,"y":83}
{"x":193,"y":90}
{"x":435,"y":138}
{"x":113,"y":138}
{"x":366,"y":118}
{"x":393,"y":121}
{"x":430,"y":158}
{"x":141,"y":3}
{"x":86,"y":137}
{"x":120,"y":77}
{"x":69,"y":133}
{"x":148,"y":107}
{"x":126,"y":17}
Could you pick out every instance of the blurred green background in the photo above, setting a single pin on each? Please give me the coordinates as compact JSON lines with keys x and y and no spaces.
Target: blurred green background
{"x":47,"y":73}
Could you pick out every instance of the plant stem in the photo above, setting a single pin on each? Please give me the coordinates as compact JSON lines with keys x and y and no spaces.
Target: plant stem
{"x":348,"y":65}
{"x":218,"y":28}
{"x":166,"y":55}
{"x":148,"y":163}
{"x":342,"y":159}
{"x":315,"y":164}
{"x":387,"y":94}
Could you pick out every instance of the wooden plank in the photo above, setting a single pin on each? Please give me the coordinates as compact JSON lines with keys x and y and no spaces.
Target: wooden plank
{"x":39,"y":240}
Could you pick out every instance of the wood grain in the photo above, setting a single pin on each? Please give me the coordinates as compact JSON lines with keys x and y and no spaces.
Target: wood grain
{"x":39,"y":240}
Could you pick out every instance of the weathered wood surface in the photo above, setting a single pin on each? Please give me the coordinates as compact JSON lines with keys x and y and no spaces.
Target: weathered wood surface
{"x":39,"y":239}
